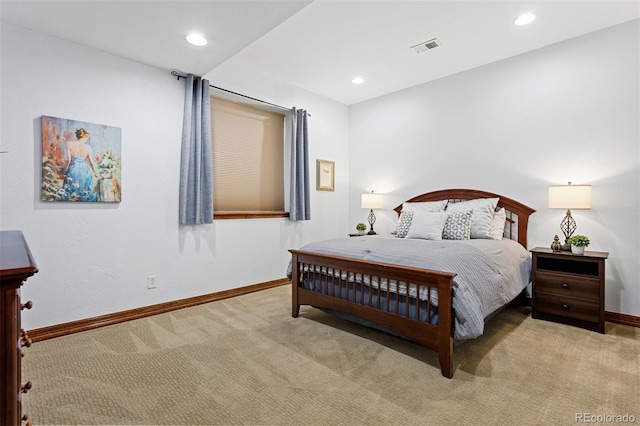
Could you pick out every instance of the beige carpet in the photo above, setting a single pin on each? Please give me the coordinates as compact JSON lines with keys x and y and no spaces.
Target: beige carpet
{"x":247,"y":361}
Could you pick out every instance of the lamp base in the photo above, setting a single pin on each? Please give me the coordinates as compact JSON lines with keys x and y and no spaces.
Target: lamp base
{"x":568,"y":227}
{"x":371,"y":219}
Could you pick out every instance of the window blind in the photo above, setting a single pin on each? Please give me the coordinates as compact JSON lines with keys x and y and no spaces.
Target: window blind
{"x":248,"y":158}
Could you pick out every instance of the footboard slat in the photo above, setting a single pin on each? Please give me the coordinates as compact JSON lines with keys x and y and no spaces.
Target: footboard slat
{"x":368,"y":289}
{"x":407,"y":301}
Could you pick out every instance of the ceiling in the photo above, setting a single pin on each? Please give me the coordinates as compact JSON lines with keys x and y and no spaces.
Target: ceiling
{"x":319,"y":45}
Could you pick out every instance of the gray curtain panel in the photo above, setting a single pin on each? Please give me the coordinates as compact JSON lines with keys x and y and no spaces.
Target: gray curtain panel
{"x":300,"y":205}
{"x":196,"y":172}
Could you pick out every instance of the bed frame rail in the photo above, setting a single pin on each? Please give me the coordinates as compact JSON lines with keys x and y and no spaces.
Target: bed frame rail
{"x":330,"y":271}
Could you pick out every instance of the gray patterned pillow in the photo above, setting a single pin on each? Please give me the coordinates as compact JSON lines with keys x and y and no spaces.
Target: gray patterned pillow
{"x":483,"y":210}
{"x":458,"y":226}
{"x":403,"y":225}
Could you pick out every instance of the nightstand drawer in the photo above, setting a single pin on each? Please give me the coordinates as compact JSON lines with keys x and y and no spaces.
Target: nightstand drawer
{"x":568,"y":307}
{"x":567,"y":285}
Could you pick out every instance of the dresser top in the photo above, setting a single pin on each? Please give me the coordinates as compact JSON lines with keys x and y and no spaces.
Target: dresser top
{"x":15,"y":256}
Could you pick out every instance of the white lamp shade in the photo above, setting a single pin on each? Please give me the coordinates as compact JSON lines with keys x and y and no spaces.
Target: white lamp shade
{"x":570,"y":197}
{"x":372,"y":201}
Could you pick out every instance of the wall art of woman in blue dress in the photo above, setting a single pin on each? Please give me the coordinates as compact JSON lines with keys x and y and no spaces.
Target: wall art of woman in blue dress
{"x":80,"y":172}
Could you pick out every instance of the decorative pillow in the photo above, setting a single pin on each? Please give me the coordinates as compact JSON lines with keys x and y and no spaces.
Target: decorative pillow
{"x":427,"y":206}
{"x":458,"y":226}
{"x":427,"y":225}
{"x":483,"y":210}
{"x":403,"y":225}
{"x":497,"y":224}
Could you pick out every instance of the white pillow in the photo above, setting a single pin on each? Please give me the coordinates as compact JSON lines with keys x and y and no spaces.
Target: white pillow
{"x":482,"y":219}
{"x":427,"y":225}
{"x":458,"y":226}
{"x":427,"y":206}
{"x":497,"y":224}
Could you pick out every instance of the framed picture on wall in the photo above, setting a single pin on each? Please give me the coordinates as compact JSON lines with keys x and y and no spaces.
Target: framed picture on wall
{"x":80,"y":161}
{"x":325,"y":180}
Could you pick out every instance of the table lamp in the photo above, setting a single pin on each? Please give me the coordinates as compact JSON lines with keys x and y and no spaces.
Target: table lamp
{"x":372,"y":201}
{"x":577,"y":197}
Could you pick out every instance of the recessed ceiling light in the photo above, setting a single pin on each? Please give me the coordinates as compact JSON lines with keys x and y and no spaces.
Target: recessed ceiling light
{"x":524,"y":19}
{"x":357,"y":80}
{"x":197,"y":39}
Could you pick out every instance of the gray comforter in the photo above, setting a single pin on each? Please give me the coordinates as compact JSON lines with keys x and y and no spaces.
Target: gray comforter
{"x":490,"y":273}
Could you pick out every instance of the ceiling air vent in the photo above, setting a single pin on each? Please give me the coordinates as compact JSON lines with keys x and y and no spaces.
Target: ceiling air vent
{"x":427,"y":45}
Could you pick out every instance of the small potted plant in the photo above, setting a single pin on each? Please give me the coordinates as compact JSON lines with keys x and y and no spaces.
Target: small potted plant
{"x":361,"y":227}
{"x":578,"y":243}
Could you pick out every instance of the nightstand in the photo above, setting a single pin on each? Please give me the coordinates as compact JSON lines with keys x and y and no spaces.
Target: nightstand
{"x":569,"y":288}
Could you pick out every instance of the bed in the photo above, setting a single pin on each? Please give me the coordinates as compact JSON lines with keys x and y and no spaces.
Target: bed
{"x":389,"y":283}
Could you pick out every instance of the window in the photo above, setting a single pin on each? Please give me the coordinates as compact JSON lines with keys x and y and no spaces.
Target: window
{"x":248,"y":161}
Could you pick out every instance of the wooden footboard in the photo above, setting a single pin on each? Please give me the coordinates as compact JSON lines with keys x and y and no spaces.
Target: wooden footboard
{"x":383,"y":294}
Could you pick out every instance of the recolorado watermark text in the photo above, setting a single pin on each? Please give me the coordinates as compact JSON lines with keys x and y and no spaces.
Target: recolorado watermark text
{"x":604,"y":418}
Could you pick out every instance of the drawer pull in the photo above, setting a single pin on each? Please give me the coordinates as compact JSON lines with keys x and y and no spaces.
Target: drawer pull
{"x":27,"y":305}
{"x":565,"y":285}
{"x":565,"y":306}
{"x":25,"y":388}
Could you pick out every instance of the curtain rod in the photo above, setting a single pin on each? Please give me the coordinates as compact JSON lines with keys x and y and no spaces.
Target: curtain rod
{"x":178,"y":76}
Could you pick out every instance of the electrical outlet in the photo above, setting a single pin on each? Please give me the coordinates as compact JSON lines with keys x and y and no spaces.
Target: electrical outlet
{"x":151,"y":281}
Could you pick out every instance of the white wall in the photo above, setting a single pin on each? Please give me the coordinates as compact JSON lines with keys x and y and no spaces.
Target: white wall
{"x":567,"y":112}
{"x":94,"y":258}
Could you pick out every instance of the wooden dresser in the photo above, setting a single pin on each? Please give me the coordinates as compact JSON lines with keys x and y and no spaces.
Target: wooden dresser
{"x":16,"y":265}
{"x":569,"y":288}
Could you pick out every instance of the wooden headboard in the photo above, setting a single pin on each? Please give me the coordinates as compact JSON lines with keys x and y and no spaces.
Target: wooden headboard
{"x":517,"y":213}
